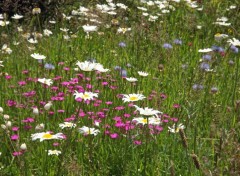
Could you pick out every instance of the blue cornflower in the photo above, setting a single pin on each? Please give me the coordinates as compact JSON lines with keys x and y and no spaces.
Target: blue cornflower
{"x":117,"y":68}
{"x":204,"y":66}
{"x":49,"y":66}
{"x":207,"y":57}
{"x":123,"y":73}
{"x":177,"y":42}
{"x":167,"y":46}
{"x":234,"y":49}
{"x":197,"y":87}
{"x":122,"y":44}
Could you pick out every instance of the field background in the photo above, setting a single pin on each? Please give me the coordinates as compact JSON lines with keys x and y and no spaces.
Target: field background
{"x":192,"y":87}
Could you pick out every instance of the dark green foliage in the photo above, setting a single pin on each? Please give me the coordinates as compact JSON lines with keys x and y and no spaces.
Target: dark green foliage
{"x":50,"y":9}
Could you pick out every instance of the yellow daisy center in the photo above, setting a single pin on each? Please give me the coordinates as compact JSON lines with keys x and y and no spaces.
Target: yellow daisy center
{"x":217,"y":34}
{"x":144,"y":120}
{"x":47,"y":136}
{"x":133,"y":98}
{"x":86,"y":96}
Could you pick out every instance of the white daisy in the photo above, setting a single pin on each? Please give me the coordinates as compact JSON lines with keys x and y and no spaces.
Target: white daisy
{"x":140,"y":120}
{"x":45,"y":81}
{"x":131,"y":79}
{"x":234,"y":42}
{"x":47,"y":32}
{"x":38,"y":56}
{"x":48,"y":105}
{"x":6,"y":49}
{"x":88,"y":28}
{"x":17,"y":17}
{"x":67,"y":125}
{"x":32,"y":40}
{"x":1,"y":65}
{"x":86,"y":66}
{"x":174,"y":129}
{"x":132,"y":97}
{"x":147,"y":111}
{"x":54,"y":152}
{"x":86,"y":131}
{"x":205,"y":50}
{"x":85,"y":95}
{"x":46,"y":136}
{"x":141,"y":73}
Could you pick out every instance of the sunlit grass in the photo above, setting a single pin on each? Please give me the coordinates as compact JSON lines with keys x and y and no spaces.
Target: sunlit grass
{"x":150,"y":90}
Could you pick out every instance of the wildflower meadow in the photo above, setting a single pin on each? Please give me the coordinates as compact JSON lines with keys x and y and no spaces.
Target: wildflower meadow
{"x":121,"y":88}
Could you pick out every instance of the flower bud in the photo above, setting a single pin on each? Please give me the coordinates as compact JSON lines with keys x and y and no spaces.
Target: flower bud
{"x":9,"y":124}
{"x":40,"y":127}
{"x":36,"y":11}
{"x":23,"y":146}
{"x":6,"y":117}
{"x":3,"y":126}
{"x":1,"y":110}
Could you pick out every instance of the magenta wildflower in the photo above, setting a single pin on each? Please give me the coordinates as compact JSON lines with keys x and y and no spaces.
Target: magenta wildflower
{"x":11,"y":103}
{"x":136,"y":142}
{"x":119,"y":108}
{"x":109,"y":102}
{"x":127,"y":115}
{"x":14,"y":137}
{"x":60,"y":111}
{"x":56,"y":144}
{"x":25,"y":72}
{"x":28,"y":120}
{"x":17,"y":153}
{"x":22,"y":83}
{"x":66,"y":68}
{"x":8,"y":77}
{"x":15,"y":128}
{"x":176,"y":106}
{"x":114,"y":135}
{"x":104,"y":83}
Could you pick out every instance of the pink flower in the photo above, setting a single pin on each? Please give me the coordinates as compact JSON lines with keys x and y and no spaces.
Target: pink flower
{"x":22,"y":83}
{"x":113,"y":87}
{"x":114,"y":135}
{"x":104,"y":83}
{"x":14,"y":137}
{"x":55,"y":144}
{"x":119,"y":107}
{"x":127,"y":115}
{"x":28,"y":120}
{"x":136,"y":142}
{"x":11,"y":103}
{"x":108,"y":102}
{"x":15,"y":128}
{"x":163,"y":96}
{"x":17,"y":153}
{"x":176,"y":106}
{"x":8,"y":77}
{"x":25,"y":72}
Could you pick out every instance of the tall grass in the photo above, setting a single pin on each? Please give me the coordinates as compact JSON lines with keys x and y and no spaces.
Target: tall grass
{"x":197,"y":93}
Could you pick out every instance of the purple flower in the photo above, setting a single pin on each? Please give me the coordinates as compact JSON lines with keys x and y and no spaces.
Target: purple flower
{"x":204,"y":66}
{"x":197,"y":87}
{"x":167,"y":46}
{"x":234,"y":49}
{"x":122,"y":44}
{"x":177,"y":42}
{"x":117,"y":68}
{"x":123,"y":73}
{"x":207,"y":57}
{"x":49,"y":66}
